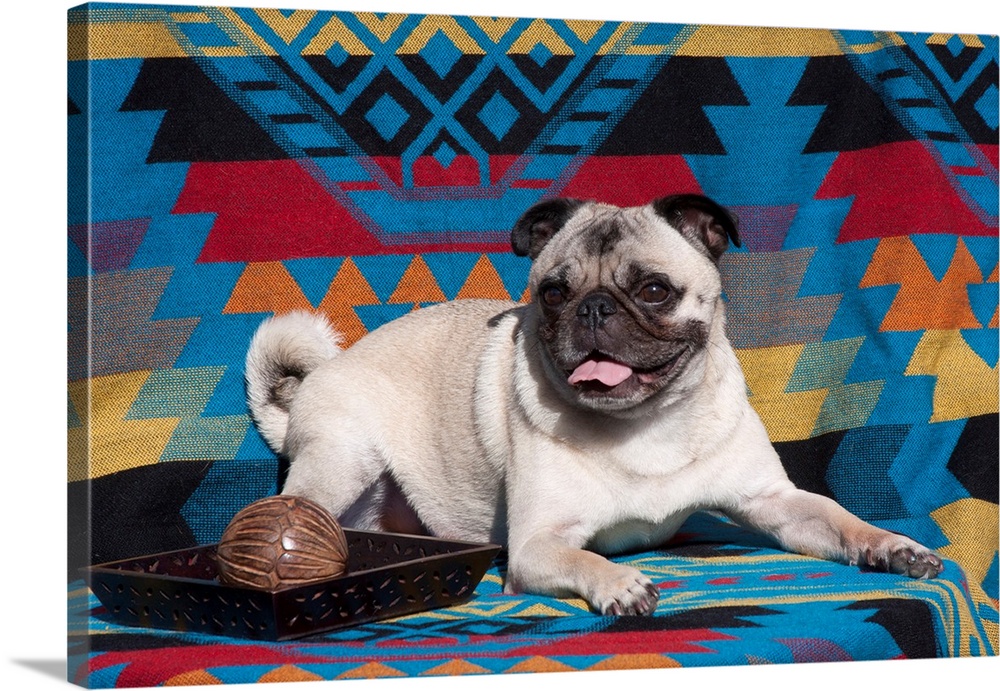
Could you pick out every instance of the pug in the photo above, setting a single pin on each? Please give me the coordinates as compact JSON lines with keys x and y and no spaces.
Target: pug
{"x":591,"y":421}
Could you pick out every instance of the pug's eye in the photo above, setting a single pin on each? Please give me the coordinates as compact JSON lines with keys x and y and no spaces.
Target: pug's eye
{"x":553,"y":296}
{"x":654,"y":293}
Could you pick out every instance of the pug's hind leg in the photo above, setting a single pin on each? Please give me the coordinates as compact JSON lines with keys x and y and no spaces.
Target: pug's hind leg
{"x":347,"y":479}
{"x":817,"y":526}
{"x":545,"y":564}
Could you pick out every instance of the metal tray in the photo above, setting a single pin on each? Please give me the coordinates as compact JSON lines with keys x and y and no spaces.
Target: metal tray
{"x":388,"y":575}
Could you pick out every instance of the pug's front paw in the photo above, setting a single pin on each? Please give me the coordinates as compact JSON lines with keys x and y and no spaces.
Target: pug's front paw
{"x":625,"y":591}
{"x":899,"y":554}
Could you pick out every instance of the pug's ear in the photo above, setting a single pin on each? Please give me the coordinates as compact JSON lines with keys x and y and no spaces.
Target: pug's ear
{"x":701,"y":221}
{"x":539,"y":223}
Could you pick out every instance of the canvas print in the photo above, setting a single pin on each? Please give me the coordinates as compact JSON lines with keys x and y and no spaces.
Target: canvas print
{"x":408,"y":345}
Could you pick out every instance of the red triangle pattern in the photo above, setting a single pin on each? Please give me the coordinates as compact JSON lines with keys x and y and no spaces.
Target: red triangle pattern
{"x":275,"y":210}
{"x":631,"y":180}
{"x":902,"y":177}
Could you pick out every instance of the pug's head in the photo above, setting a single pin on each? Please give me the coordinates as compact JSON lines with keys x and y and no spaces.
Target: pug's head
{"x":624,"y":297}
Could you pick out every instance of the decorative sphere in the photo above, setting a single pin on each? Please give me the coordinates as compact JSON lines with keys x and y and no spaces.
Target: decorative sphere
{"x":281,"y":541}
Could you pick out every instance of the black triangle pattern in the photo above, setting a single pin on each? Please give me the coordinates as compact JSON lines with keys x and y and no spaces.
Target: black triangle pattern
{"x":956,"y":65}
{"x":964,"y":107}
{"x":444,"y":87}
{"x":444,"y":137}
{"x":668,"y":117}
{"x":974,"y":461}
{"x":339,"y":77}
{"x":806,"y":461}
{"x":904,"y":619}
{"x":721,"y":617}
{"x":201,"y":123}
{"x":543,"y":75}
{"x":130,"y":513}
{"x":855,"y":116}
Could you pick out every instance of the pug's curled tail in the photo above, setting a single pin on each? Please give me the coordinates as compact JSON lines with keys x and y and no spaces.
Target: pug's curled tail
{"x":282,"y":352}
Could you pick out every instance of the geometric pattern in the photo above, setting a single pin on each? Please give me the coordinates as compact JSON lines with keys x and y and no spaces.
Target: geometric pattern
{"x":226,"y":164}
{"x":716,"y":607}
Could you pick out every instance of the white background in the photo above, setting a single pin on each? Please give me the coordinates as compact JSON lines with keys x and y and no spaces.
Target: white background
{"x":33,"y":336}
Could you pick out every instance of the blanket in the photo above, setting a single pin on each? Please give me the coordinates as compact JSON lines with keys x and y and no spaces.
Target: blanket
{"x":227,"y":164}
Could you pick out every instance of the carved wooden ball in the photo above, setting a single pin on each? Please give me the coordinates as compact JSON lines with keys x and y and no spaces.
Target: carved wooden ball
{"x":281,"y":541}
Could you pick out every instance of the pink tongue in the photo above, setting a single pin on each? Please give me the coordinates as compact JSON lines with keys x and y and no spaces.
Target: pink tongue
{"x":607,"y":372}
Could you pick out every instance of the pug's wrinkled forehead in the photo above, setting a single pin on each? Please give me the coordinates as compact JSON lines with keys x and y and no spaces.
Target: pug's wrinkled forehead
{"x":706,"y":225}
{"x":684,"y":235}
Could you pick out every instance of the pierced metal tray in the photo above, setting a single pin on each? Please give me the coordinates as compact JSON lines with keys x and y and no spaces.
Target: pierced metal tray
{"x":388,"y":575}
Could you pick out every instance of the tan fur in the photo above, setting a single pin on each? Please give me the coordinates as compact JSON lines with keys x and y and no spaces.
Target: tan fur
{"x":457,"y":410}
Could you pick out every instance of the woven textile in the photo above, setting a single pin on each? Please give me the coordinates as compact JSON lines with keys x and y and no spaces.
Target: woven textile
{"x":735,"y":601}
{"x":228,"y":164}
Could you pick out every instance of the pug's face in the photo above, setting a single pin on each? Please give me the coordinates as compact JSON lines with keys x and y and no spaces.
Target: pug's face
{"x":625,"y":298}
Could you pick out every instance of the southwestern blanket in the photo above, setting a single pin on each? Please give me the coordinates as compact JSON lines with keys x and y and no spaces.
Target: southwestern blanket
{"x":227,"y":164}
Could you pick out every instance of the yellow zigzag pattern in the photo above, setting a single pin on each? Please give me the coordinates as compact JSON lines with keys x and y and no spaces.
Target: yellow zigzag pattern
{"x":966,"y":386}
{"x":114,"y":443}
{"x":150,"y":37}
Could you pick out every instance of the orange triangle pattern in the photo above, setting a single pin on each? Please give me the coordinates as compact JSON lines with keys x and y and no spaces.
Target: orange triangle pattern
{"x":371,"y":670}
{"x":483,"y":282}
{"x":268,"y":287}
{"x":349,"y":287}
{"x":994,"y":322}
{"x":198,"y":677}
{"x":636,"y":661}
{"x":347,"y":323}
{"x":454,"y":668}
{"x":288,"y":673}
{"x":417,"y":285}
{"x":541,"y":664}
{"x":923,"y":302}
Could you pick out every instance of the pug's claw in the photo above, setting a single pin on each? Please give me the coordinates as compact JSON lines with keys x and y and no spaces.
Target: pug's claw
{"x":898,"y":554}
{"x":630,"y":593}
